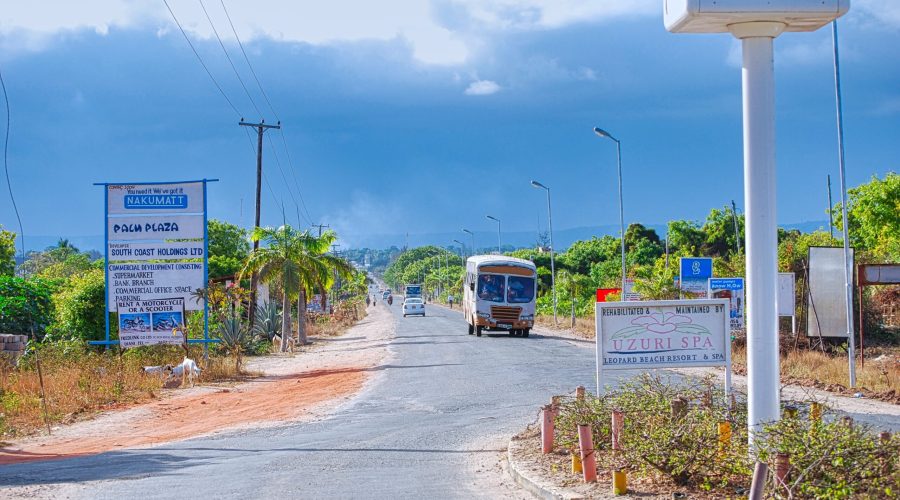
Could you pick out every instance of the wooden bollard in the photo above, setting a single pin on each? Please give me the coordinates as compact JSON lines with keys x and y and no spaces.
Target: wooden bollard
{"x":618,"y":423}
{"x":885,"y":438}
{"x":679,"y":408}
{"x":782,"y":466}
{"x":579,"y":393}
{"x":576,"y":463}
{"x":724,"y":436}
{"x":547,"y":429}
{"x":588,"y":460}
{"x":619,"y":483}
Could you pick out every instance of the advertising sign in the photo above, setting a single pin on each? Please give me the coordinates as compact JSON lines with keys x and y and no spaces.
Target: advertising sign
{"x":785,"y":294}
{"x":630,"y":294}
{"x":134,"y":282}
{"x":733,"y":290}
{"x":663,"y":334}
{"x":156,"y":257}
{"x":827,"y":298}
{"x":148,"y":322}
{"x":603,"y":293}
{"x":695,"y":271}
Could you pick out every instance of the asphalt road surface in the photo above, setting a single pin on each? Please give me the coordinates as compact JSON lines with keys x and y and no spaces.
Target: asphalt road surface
{"x":414,"y":432}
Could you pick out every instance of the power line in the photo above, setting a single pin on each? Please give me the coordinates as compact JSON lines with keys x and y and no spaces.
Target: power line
{"x":211,"y":77}
{"x":6,"y":167}
{"x":294,"y":174}
{"x":241,"y":45}
{"x":216,"y":32}
{"x":284,"y":178}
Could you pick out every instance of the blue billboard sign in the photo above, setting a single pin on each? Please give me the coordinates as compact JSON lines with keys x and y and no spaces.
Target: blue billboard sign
{"x":695,"y":274}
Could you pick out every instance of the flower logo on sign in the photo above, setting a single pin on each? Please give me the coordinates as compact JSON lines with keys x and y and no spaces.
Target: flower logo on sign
{"x":695,"y":267}
{"x":661,"y":323}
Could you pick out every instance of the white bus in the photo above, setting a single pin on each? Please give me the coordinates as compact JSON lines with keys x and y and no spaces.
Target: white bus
{"x":499,"y":294}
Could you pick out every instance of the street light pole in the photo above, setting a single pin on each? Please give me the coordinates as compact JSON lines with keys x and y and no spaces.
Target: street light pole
{"x":499,"y":251}
{"x":552,"y":249}
{"x":473,"y":239}
{"x":602,"y":133}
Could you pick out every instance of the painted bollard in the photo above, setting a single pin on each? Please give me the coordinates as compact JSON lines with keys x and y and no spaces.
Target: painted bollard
{"x":790,"y":412}
{"x":576,"y":463}
{"x":547,"y":429}
{"x":618,"y":423}
{"x":724,"y":436}
{"x":782,"y":467}
{"x":588,"y":460}
{"x":620,"y":482}
{"x":579,"y":393}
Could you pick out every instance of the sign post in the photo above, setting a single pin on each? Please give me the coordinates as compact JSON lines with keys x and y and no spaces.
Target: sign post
{"x":695,"y":275}
{"x":733,"y":290}
{"x":663,"y":334}
{"x":156,"y":257}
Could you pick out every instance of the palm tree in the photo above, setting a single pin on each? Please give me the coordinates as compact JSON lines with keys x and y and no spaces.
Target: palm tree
{"x":298,"y":262}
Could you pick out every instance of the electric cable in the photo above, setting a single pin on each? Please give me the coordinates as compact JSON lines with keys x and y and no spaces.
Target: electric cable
{"x":230,"y":62}
{"x":208,"y":72}
{"x":6,"y":167}
{"x":252,"y":71}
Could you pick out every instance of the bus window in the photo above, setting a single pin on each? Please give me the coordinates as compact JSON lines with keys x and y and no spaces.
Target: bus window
{"x":491,"y":287}
{"x":521,"y":290}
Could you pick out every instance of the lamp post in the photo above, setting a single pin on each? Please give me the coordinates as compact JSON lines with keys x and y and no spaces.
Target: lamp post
{"x":602,"y":133}
{"x":498,"y":231}
{"x":552,"y":250}
{"x":462,"y":251}
{"x":473,"y":239}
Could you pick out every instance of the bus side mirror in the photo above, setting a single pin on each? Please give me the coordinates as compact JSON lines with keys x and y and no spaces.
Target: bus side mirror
{"x":472,"y":286}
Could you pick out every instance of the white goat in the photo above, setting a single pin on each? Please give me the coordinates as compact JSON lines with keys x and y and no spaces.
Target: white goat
{"x":188,"y":368}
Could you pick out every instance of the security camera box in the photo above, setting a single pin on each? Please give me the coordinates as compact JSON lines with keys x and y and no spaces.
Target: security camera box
{"x":714,"y":16}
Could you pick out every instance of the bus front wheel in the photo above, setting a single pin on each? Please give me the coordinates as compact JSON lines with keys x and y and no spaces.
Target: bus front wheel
{"x":478,"y":331}
{"x":526,"y":331}
{"x":471,"y":329}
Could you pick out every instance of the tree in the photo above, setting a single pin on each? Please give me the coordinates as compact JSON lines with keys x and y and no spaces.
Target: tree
{"x":228,"y":248}
{"x":59,"y":262}
{"x":874,"y":212}
{"x":299,"y":262}
{"x":25,"y":303}
{"x":7,"y":252}
{"x":719,"y":231}
{"x":80,"y":307}
{"x":685,"y":237}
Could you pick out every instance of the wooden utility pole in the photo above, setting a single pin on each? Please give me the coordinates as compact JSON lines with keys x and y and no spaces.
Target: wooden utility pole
{"x":260,"y":128}
{"x":320,"y":226}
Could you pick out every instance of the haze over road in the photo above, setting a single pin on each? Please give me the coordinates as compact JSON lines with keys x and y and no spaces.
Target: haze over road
{"x":417,"y":430}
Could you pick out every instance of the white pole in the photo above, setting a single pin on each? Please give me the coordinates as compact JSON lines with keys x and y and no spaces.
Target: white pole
{"x":552,"y":257}
{"x":758,"y":80}
{"x":848,"y":260}
{"x":621,"y":214}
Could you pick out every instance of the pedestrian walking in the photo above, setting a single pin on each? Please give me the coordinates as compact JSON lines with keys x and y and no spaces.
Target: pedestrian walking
{"x":450,"y":300}
{"x":367,"y":300}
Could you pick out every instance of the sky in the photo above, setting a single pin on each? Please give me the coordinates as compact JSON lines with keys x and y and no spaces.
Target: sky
{"x":420,"y":117}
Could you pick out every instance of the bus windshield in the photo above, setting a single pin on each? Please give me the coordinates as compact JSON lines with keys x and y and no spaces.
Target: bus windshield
{"x":491,"y":287}
{"x":520,"y":290}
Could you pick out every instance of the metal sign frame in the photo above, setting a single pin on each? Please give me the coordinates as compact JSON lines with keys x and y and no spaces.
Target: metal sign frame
{"x":109,"y":342}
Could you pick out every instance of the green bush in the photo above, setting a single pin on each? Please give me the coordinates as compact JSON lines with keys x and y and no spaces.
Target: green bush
{"x":80,"y":305}
{"x":23,"y":303}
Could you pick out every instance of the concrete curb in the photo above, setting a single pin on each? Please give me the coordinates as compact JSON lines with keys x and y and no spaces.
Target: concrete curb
{"x":538,"y":488}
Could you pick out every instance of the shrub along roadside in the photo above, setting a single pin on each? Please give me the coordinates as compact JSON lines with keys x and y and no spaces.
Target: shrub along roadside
{"x":679,"y":449}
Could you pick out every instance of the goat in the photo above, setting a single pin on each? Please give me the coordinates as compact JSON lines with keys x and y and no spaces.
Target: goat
{"x":276,"y":343}
{"x":188,"y":368}
{"x":159,"y":371}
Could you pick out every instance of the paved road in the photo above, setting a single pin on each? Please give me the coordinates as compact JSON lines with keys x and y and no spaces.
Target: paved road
{"x":413,"y":433}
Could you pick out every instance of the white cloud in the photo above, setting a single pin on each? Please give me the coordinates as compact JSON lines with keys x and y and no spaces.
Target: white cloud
{"x":885,"y":11}
{"x":482,"y":87}
{"x":542,"y":14}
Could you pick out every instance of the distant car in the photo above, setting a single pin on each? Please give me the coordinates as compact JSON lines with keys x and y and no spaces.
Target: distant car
{"x":385,"y":295}
{"x":413,"y":306}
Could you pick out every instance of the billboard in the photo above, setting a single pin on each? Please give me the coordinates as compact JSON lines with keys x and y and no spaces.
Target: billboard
{"x":630,"y":294}
{"x":695,"y":272}
{"x":733,"y":290}
{"x":663,"y":334}
{"x":148,"y":322}
{"x":786,"y":294}
{"x":827,"y":298}
{"x":160,"y":222}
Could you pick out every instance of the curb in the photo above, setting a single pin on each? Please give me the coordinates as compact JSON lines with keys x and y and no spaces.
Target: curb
{"x":528,"y":483}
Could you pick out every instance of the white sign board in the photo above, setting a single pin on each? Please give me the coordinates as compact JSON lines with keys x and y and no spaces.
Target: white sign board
{"x":135,"y":282}
{"x":733,"y":290}
{"x":786,"y":294}
{"x":155,"y":251}
{"x":149,"y":322}
{"x":630,"y":295}
{"x":663,"y":334}
{"x":827,"y":298}
{"x":164,"y":223}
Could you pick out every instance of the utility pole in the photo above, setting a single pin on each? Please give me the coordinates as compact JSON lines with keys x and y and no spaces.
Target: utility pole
{"x":737,"y":234}
{"x":830,"y":213}
{"x":260,"y":128}
{"x":320,"y":226}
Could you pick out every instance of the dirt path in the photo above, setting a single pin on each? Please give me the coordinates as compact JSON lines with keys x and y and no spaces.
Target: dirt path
{"x":295,"y":387}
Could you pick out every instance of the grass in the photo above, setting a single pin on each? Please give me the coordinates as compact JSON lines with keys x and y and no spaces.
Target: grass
{"x":808,"y":367}
{"x":583,"y":326}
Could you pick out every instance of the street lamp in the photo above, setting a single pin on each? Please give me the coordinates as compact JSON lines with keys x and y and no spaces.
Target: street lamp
{"x":552,"y":250}
{"x":602,"y":133}
{"x":498,"y":232}
{"x":462,"y":247}
{"x":473,"y":239}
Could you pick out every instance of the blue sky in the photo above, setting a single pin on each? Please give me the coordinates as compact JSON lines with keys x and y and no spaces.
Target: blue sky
{"x":424,"y":116}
